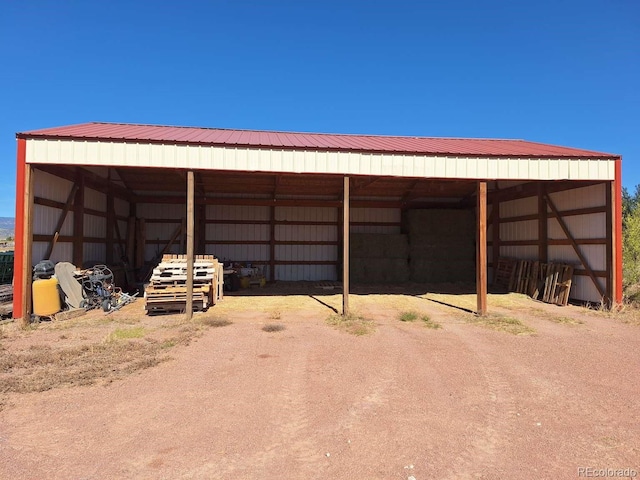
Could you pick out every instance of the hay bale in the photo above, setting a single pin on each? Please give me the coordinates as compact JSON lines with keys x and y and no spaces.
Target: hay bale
{"x":366,"y":245}
{"x":357,"y":270}
{"x":455,"y":249}
{"x":441,"y":222}
{"x":441,"y":271}
{"x":396,"y":270}
{"x":396,"y":246}
{"x":378,"y":245}
{"x":380,"y":270}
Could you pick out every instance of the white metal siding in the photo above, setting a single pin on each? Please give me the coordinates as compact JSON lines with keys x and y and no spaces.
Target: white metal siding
{"x":239,"y":232}
{"x":62,"y":252}
{"x":45,"y":220}
{"x":121,"y":207}
{"x":158,"y":231}
{"x":592,"y":196}
{"x":582,"y":288}
{"x":307,"y":214}
{"x":586,"y":226}
{"x":523,"y":252}
{"x":489,"y":249}
{"x":306,"y":233}
{"x":161,"y":211}
{"x":50,"y":187}
{"x":581,"y":226}
{"x":76,"y":152}
{"x":525,"y":230}
{"x":306,"y":272}
{"x":94,"y":253}
{"x":240,"y":252}
{"x":522,"y":206}
{"x":95,"y":200}
{"x":595,"y":254}
{"x":95,"y":226}
{"x":237,"y":212}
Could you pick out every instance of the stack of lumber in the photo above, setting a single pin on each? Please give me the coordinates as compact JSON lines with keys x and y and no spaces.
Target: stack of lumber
{"x":548,"y":282}
{"x":167,"y":291}
{"x":6,"y":299}
{"x":441,"y":245}
{"x":379,"y":258}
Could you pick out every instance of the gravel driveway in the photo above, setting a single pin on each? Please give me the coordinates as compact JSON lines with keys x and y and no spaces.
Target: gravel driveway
{"x":314,"y":402}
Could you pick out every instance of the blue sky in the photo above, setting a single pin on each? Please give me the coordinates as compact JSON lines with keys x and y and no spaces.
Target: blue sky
{"x":563,"y":72}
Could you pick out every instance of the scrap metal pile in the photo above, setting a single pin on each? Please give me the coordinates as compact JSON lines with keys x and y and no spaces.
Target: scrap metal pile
{"x":91,"y":288}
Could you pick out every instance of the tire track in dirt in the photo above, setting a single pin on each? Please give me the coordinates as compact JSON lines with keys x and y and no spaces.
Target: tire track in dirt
{"x":290,"y":438}
{"x":376,"y":397}
{"x":289,"y":442}
{"x":492,"y":437}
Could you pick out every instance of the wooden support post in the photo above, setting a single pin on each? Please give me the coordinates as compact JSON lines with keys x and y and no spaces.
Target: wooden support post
{"x":61,"y":219}
{"x":27,"y":268}
{"x":78,"y":224}
{"x":575,"y":246}
{"x":190,"y":241}
{"x":345,"y":248}
{"x":272,"y":244}
{"x":543,"y":250}
{"x":481,"y":257}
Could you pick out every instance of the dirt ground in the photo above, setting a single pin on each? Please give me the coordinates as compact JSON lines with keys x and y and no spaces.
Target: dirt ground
{"x":532,"y":391}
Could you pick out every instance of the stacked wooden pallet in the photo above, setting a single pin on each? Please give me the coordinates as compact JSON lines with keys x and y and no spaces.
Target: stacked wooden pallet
{"x":548,"y":282}
{"x":167,"y":291}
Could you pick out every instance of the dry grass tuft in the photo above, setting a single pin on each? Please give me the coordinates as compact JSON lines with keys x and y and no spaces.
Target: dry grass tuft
{"x":408,"y":316}
{"x":273,"y":327}
{"x":352,"y":323}
{"x":412,"y":316}
{"x":426,"y":320}
{"x":42,"y":367}
{"x":502,"y":324}
{"x":126,"y":333}
{"x":215,"y":322}
{"x":628,"y":313}
{"x":566,"y":320}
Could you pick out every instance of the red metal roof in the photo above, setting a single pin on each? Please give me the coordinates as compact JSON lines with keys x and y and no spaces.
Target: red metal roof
{"x":317,"y":141}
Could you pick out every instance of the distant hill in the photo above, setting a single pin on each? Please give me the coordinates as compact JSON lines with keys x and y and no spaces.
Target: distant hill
{"x":7,"y":227}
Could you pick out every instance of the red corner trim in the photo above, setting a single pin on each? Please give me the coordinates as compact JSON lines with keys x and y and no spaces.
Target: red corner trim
{"x":18,"y":256}
{"x":618,"y":227}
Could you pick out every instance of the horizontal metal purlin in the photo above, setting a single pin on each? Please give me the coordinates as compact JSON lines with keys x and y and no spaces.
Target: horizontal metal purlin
{"x":550,"y":241}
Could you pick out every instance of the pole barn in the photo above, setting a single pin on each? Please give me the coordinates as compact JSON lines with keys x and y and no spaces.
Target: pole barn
{"x":317,"y":207}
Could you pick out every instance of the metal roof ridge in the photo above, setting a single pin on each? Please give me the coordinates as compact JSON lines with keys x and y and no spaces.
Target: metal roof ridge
{"x":338,"y":141}
{"x":252,"y":130}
